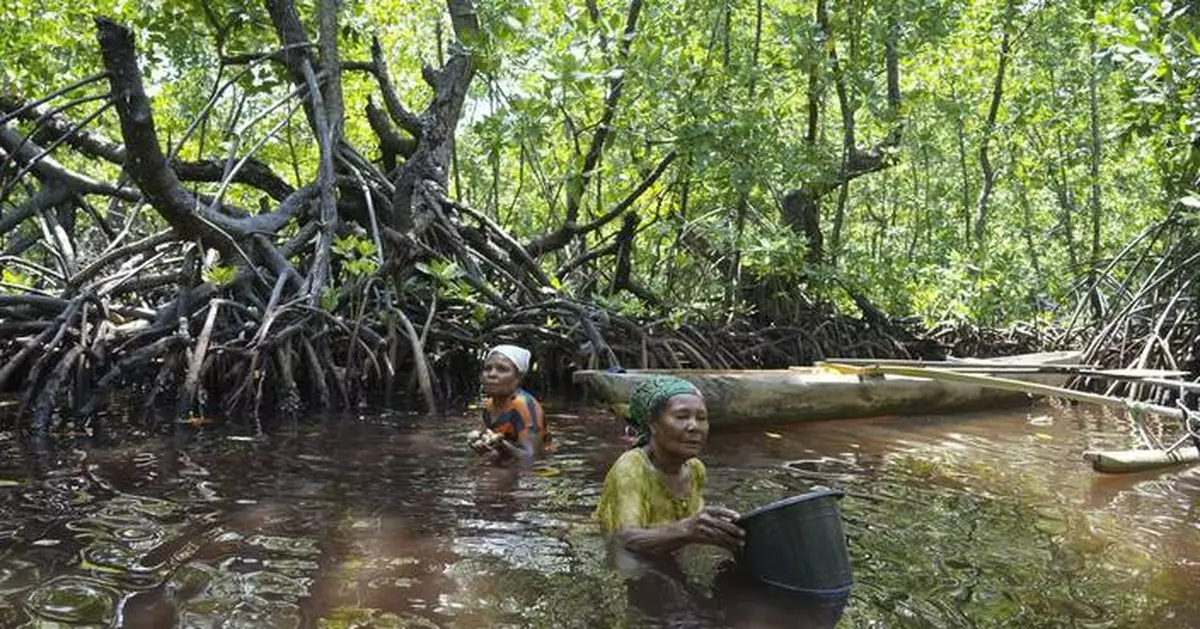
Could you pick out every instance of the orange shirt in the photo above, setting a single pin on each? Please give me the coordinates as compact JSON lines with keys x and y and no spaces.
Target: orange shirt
{"x":520,"y":419}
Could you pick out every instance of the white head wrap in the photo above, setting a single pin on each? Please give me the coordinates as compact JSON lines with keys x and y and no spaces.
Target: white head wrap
{"x":518,"y":355}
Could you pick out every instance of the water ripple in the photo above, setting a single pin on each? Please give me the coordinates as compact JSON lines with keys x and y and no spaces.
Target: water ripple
{"x":953,"y":522}
{"x":74,"y":600}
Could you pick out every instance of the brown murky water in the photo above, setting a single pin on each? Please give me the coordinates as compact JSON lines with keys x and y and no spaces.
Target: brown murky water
{"x":967,"y":521}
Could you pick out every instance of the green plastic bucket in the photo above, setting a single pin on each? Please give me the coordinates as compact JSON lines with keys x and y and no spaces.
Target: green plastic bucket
{"x":798,"y":543}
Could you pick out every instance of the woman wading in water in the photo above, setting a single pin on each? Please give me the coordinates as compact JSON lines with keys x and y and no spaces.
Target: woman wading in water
{"x":652,"y":501}
{"x":514,"y":420}
{"x":652,"y":505}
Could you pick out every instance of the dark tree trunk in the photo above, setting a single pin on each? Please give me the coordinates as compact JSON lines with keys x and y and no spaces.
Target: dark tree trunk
{"x":801,"y":207}
{"x":989,"y":126}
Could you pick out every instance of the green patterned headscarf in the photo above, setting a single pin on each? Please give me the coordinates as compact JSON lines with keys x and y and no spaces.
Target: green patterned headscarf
{"x":649,"y":398}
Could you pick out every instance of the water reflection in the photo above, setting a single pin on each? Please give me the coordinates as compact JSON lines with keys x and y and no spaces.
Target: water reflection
{"x":708,"y":590}
{"x":972,"y":521}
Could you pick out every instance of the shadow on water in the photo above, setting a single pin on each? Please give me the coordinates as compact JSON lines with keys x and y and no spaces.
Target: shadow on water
{"x":385,"y":521}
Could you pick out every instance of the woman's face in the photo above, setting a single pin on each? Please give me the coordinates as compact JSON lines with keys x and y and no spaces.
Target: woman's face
{"x":500,"y":376}
{"x":682,"y":427}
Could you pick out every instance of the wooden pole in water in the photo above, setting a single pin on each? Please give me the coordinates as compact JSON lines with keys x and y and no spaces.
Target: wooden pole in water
{"x":985,"y":367}
{"x":954,"y":364}
{"x":1112,"y":462}
{"x":1130,"y":461}
{"x":1002,"y":383}
{"x":1172,"y":384}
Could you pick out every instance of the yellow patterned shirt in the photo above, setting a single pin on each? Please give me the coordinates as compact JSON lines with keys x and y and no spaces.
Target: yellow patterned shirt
{"x":636,"y":495}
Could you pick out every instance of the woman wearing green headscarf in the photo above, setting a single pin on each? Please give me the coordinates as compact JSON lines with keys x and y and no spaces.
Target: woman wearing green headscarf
{"x":652,"y":500}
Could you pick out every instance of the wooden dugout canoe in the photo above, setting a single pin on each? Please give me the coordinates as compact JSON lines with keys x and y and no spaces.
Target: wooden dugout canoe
{"x":746,"y":398}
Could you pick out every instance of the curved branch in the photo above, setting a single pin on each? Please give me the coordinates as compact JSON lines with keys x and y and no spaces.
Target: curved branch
{"x":419,"y":359}
{"x":252,"y":173}
{"x":616,"y":86}
{"x":149,"y":168}
{"x":399,"y":113}
{"x":133,"y":248}
{"x":56,"y":129}
{"x":43,"y":408}
{"x":391,"y":144}
{"x":271,"y":222}
{"x":587,"y":257}
{"x":144,"y":283}
{"x":45,"y":152}
{"x":49,"y":195}
{"x":129,"y":363}
{"x":66,"y":310}
{"x":55,"y":126}
{"x":32,"y":157}
{"x":510,"y":244}
{"x":145,"y":161}
{"x":562,"y":236}
{"x":52,"y":95}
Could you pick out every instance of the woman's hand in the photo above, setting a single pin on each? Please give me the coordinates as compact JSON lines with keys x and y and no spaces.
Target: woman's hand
{"x":484,"y":442}
{"x":715,"y":525}
{"x":475,"y":440}
{"x":712,"y":525}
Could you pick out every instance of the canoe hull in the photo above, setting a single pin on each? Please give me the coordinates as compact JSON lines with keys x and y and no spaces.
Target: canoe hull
{"x":802,"y":394}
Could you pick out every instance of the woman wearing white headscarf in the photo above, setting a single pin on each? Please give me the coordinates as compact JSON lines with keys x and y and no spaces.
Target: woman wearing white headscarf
{"x":508,"y":410}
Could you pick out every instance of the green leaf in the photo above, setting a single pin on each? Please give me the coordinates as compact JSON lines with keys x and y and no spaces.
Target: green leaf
{"x":16,"y":278}
{"x":345,"y":247}
{"x":329,"y":299}
{"x":219,"y":275}
{"x":365,"y":247}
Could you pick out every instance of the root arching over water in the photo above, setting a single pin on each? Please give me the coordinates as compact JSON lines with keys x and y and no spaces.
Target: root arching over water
{"x":1142,"y":310}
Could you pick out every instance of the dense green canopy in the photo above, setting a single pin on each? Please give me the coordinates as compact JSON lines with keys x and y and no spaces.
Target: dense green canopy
{"x":680,"y":160}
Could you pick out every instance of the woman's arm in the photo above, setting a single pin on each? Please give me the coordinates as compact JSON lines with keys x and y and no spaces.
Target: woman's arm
{"x":515,"y":448}
{"x":655,"y":541}
{"x":712,"y":525}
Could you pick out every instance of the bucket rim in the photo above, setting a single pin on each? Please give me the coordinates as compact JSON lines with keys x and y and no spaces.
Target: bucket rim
{"x":820,"y":592}
{"x":812,"y":495}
